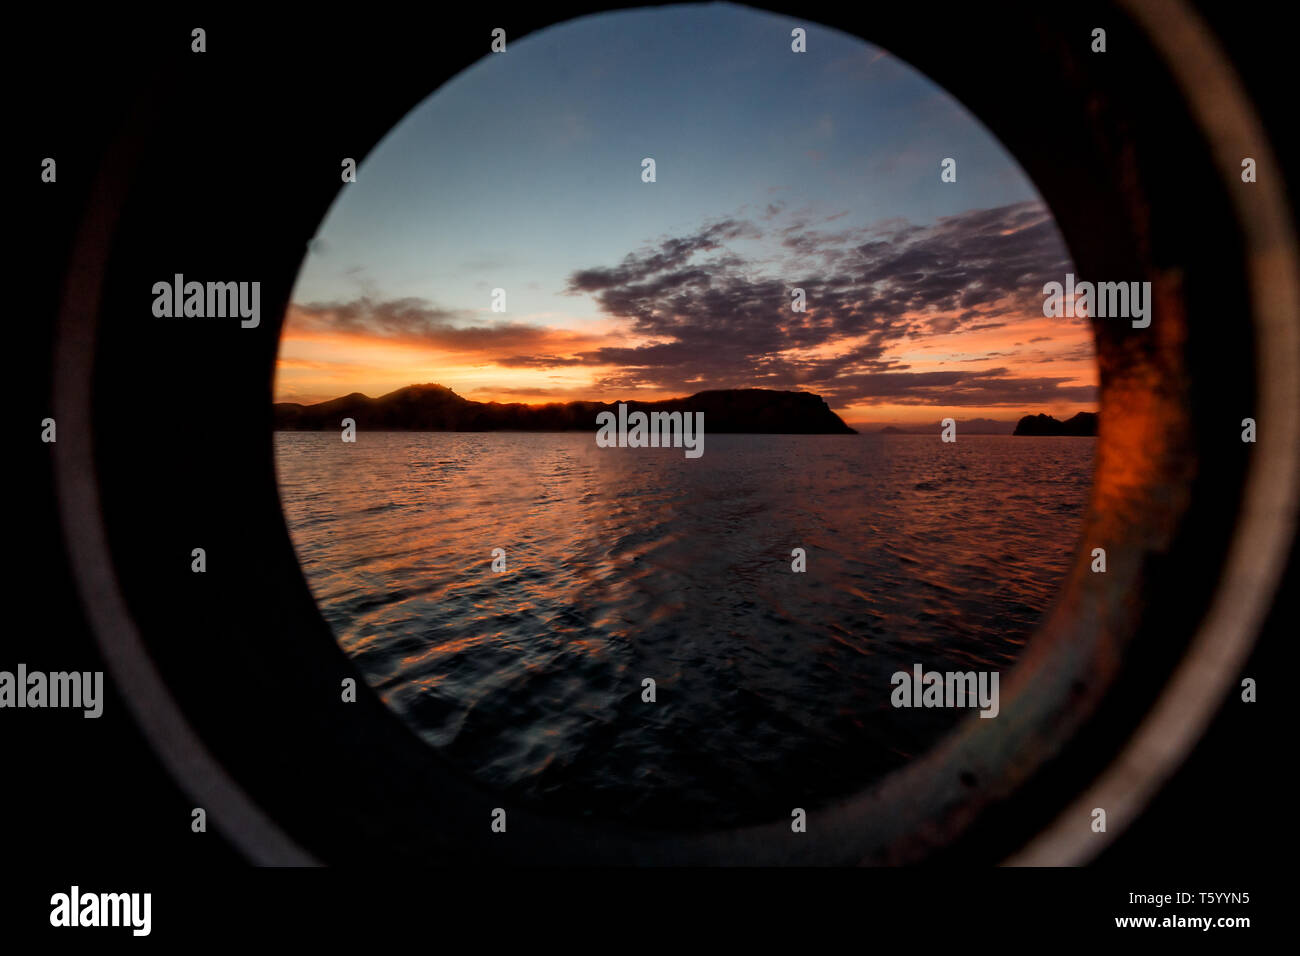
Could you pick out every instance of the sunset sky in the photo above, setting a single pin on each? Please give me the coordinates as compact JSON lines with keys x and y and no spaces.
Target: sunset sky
{"x":775,"y":170}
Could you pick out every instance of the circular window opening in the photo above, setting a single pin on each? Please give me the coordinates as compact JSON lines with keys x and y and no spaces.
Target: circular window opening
{"x":821,"y":281}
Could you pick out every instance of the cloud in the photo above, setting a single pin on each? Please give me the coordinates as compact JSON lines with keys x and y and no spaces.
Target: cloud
{"x":711,"y":317}
{"x":672,"y":253}
{"x":538,"y":361}
{"x":986,"y":387}
{"x":417,"y":322}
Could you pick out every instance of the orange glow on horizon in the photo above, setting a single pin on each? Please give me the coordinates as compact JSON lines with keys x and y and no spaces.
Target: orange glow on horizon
{"x":316,"y":364}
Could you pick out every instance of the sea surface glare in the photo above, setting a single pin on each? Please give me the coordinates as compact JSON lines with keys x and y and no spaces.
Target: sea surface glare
{"x":773,"y":687}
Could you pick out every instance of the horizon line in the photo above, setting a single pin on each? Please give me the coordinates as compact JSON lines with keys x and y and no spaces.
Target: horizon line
{"x":593,"y":401}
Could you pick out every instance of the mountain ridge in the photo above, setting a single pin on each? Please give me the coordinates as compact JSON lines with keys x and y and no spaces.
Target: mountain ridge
{"x":1083,"y":424}
{"x":432,"y":407}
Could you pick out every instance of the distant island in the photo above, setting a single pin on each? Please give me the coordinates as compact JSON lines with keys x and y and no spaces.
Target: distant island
{"x":1082,"y":424}
{"x":437,"y":408}
{"x":965,"y":426}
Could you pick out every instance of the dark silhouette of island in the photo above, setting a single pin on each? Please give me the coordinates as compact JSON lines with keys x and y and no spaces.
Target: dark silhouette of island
{"x":1082,"y":424}
{"x":438,"y":409}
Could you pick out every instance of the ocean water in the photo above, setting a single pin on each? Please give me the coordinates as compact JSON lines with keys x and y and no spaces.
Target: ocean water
{"x":773,"y":687}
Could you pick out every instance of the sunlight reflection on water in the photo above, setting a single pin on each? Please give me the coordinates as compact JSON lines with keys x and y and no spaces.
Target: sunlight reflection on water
{"x":632,"y":563}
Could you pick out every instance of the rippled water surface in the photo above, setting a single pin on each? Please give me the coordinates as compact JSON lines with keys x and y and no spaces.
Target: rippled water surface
{"x":772,"y":687}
